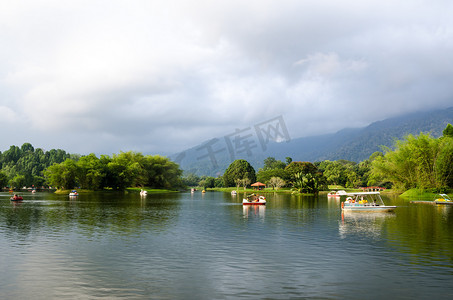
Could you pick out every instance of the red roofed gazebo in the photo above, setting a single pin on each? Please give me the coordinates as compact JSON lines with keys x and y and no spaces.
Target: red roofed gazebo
{"x":258,"y":185}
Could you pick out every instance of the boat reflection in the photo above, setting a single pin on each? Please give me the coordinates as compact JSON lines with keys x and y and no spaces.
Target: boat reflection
{"x":333,"y":202}
{"x":254,"y":211}
{"x":363,"y":224}
{"x":444,"y":210}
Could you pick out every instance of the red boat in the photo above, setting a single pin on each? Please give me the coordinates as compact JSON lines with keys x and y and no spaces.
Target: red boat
{"x":16,"y":198}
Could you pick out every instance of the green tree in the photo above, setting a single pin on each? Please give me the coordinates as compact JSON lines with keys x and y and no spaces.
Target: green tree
{"x":265,"y":175}
{"x":90,"y":172}
{"x":27,"y":147}
{"x":448,"y":131}
{"x":276,"y":182}
{"x":304,"y":167}
{"x":444,"y":163}
{"x":245,"y":182}
{"x":207,"y":182}
{"x":272,"y":163}
{"x":18,"y":181}
{"x":162,"y":172}
{"x":126,"y":169}
{"x":191,"y":179}
{"x":3,"y":180}
{"x":238,"y":169}
{"x":219,"y":182}
{"x":417,"y":161}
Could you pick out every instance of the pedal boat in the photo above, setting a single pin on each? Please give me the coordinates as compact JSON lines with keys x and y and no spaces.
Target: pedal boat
{"x":254,"y":200}
{"x":443,"y":199}
{"x":365,"y":202}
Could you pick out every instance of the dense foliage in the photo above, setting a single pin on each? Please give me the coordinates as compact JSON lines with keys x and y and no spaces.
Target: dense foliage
{"x":418,"y":162}
{"x":24,"y":166}
{"x":239,"y":169}
{"x":126,"y":169}
{"x":304,"y":177}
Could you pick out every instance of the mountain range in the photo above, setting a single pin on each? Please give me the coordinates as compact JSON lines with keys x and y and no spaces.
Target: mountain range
{"x":355,"y":144}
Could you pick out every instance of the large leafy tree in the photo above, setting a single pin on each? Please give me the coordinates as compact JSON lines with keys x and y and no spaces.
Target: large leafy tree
{"x":126,"y":169}
{"x":162,"y":172}
{"x":296,"y":167}
{"x":90,"y":172}
{"x":238,"y":169}
{"x":417,"y":161}
{"x":62,"y":175}
{"x":272,"y":163}
{"x":266,"y":175}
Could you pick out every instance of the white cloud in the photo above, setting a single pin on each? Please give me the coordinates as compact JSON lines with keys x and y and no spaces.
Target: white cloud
{"x":159,"y":76}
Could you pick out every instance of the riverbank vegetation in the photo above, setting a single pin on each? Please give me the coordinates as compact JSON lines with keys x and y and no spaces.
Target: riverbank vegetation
{"x":422,"y":162}
{"x":28,"y":167}
{"x":418,"y":162}
{"x":24,"y":166}
{"x":123,"y":170}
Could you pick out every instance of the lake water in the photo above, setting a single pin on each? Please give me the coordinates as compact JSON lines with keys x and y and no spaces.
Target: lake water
{"x":208,"y":246}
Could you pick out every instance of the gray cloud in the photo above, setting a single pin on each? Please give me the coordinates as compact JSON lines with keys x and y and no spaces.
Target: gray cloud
{"x":158,"y":77}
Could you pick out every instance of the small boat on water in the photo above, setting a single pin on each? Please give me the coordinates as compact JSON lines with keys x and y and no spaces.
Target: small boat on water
{"x":143,"y":193}
{"x":365,"y":202}
{"x":234,"y":193}
{"x":443,"y":199}
{"x":16,"y":198}
{"x":254,"y":200}
{"x":73,"y":193}
{"x":336,"y":193}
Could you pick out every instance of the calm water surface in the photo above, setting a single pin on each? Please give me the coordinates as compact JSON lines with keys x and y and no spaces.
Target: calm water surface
{"x":194,"y":246}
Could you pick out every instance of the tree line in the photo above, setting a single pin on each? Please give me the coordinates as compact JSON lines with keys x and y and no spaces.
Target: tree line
{"x":419,"y":161}
{"x":26,"y":166}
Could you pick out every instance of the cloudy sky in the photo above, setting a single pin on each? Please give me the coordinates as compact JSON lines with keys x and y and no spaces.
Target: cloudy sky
{"x":162,"y":76}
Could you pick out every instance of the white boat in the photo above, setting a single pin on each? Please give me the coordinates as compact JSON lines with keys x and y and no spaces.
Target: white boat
{"x":366,"y":202}
{"x":336,"y":193}
{"x":254,"y":200}
{"x":234,"y":193}
{"x":143,"y":193}
{"x":443,"y":199}
{"x":73,"y":193}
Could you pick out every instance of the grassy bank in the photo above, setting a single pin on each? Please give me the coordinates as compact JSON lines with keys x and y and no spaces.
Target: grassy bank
{"x":419,"y":194}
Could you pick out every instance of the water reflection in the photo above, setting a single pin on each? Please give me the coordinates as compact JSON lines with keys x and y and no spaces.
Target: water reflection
{"x":254,"y":211}
{"x":202,"y":246}
{"x":363,"y":224}
{"x":88,"y":214}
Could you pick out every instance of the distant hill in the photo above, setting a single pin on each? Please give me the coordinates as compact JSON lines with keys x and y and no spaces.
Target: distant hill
{"x":214,"y":156}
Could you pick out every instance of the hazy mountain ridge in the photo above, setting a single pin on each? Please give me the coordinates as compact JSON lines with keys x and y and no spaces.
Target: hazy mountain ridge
{"x":355,"y":144}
